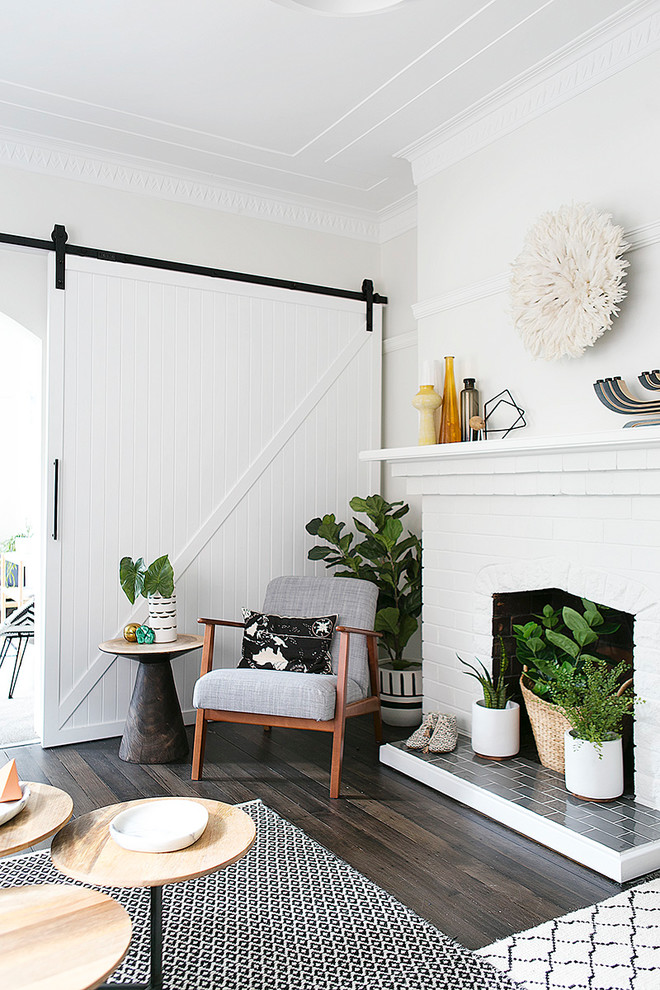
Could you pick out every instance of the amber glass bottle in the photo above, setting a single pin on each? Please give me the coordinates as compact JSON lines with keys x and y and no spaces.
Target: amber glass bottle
{"x":450,"y":424}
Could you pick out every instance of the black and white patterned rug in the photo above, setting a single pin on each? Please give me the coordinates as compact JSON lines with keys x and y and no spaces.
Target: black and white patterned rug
{"x":614,"y":945}
{"x":289,"y":916}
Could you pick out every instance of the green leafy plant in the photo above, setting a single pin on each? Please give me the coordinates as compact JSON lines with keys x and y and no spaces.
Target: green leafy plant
{"x":495,"y":692}
{"x":594,"y":701}
{"x":385,"y":557}
{"x":9,"y":545}
{"x":559,"y":644}
{"x":136,"y":579}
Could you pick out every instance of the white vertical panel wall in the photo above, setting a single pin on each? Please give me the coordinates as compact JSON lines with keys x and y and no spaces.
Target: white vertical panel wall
{"x":205,"y":419}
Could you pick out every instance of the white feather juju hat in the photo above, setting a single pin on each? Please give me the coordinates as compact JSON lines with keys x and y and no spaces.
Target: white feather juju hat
{"x":567,"y":281}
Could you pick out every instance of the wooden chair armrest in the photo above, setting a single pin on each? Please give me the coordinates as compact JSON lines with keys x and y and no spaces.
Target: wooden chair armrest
{"x":360,"y":632}
{"x":222,"y":622}
{"x":209,"y":641}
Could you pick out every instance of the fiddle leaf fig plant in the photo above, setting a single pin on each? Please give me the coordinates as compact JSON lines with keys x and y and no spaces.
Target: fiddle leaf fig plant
{"x":385,"y":557}
{"x":156,"y":579}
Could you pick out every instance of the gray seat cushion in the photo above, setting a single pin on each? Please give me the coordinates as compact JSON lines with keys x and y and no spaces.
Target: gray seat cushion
{"x":273,"y":692}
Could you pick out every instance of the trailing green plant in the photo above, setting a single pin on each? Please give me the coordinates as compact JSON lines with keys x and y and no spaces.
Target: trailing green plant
{"x":136,"y":579}
{"x":590,"y":700}
{"x":9,"y":545}
{"x":385,"y":557}
{"x":495,"y":691}
{"x":559,"y":644}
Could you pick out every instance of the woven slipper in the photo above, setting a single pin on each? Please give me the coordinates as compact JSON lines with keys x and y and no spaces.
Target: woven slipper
{"x":420,"y":737}
{"x":445,"y":735}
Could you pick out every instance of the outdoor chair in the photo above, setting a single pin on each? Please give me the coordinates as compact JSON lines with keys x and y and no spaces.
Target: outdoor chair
{"x":16,"y":632}
{"x":321,"y":702}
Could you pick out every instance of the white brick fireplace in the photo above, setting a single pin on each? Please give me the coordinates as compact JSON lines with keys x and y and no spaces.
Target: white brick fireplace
{"x":581,"y":514}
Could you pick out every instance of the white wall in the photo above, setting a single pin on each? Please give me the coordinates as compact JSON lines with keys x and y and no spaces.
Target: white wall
{"x":601,"y":147}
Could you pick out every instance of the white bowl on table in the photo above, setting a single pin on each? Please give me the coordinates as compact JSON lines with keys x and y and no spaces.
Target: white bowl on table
{"x":162,"y":825}
{"x":9,"y":809}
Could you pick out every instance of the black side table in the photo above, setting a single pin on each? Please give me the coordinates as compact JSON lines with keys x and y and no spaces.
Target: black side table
{"x":154,"y":730}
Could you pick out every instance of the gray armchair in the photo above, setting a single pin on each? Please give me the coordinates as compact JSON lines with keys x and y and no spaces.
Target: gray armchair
{"x":321,"y":702}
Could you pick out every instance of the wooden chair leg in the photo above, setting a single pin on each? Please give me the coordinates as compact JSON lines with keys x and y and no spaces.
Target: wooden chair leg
{"x":378,"y":726}
{"x":337,"y":756}
{"x":267,"y":728}
{"x":199,"y":745}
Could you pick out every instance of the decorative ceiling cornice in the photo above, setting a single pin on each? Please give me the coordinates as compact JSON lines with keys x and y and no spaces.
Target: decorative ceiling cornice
{"x":193,"y":189}
{"x":619,"y":42}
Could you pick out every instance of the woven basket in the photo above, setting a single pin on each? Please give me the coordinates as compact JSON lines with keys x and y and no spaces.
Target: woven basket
{"x":548,"y":725}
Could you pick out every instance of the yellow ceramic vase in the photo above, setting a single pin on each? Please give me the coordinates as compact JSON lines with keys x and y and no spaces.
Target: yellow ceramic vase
{"x":426,"y":402}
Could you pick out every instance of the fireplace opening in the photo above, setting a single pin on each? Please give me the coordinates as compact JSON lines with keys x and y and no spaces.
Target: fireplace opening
{"x":517,"y":608}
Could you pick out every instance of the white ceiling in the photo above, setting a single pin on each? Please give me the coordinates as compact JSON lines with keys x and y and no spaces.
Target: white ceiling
{"x":269,"y":94}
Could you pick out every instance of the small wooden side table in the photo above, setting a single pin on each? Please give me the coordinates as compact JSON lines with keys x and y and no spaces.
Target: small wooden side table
{"x":47,"y":810}
{"x":85,"y":851}
{"x":154,"y":730}
{"x":60,"y":937}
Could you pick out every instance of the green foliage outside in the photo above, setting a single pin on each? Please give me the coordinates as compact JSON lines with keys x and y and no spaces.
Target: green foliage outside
{"x":495,"y":693}
{"x":136,"y":579}
{"x":558,"y":645}
{"x":590,"y":701}
{"x":385,"y":557}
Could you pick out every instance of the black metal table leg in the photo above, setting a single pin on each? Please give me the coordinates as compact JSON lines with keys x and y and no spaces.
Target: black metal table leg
{"x":155,"y":948}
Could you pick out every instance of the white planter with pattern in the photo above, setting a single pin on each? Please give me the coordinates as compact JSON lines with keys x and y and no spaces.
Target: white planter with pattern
{"x":401,"y":694}
{"x":162,"y":617}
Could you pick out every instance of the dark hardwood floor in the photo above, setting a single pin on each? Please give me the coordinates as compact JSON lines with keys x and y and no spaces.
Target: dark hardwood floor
{"x":472,"y":878}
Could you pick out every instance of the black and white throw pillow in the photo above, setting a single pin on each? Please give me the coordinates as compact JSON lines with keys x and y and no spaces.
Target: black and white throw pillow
{"x":280,"y":642}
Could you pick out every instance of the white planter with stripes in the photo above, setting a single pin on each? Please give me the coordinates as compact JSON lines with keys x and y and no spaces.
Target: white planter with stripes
{"x":401,"y":694}
{"x":162,"y":617}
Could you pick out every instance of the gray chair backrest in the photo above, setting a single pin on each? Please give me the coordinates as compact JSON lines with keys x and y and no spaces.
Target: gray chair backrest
{"x":352,"y":600}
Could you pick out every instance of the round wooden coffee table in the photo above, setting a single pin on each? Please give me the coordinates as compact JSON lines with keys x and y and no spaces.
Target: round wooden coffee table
{"x":60,"y":937}
{"x":154,"y":730}
{"x":85,"y":851}
{"x":47,"y":810}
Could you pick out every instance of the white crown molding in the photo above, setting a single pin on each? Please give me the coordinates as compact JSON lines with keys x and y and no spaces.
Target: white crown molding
{"x":398,"y":219}
{"x":400,"y":342}
{"x":636,"y":238}
{"x":598,"y":54}
{"x":195,"y":189}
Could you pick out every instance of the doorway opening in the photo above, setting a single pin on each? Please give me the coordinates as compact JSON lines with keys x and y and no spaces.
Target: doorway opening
{"x":20,"y":517}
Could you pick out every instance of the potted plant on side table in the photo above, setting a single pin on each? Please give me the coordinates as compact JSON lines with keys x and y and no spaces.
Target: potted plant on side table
{"x":495,"y":718}
{"x":393,"y":563}
{"x":156,"y":584}
{"x":595,"y":703}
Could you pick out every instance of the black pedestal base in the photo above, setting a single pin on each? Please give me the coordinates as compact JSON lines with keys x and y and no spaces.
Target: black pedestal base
{"x":154,"y":730}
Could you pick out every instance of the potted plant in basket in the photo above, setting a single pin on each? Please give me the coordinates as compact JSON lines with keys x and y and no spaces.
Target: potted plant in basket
{"x":156,"y":584}
{"x":557,"y":645}
{"x":594,"y":702}
{"x":495,"y":718}
{"x":392,"y":562}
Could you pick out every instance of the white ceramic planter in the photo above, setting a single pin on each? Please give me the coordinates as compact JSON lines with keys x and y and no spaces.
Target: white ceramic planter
{"x":162,"y":617}
{"x":495,"y":731}
{"x":592,"y":773}
{"x":401,"y":694}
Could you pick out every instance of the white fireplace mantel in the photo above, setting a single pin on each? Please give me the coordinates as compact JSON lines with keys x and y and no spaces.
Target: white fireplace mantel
{"x":446,"y":458}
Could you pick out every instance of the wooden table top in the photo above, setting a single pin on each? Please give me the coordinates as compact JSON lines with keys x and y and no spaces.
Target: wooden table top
{"x":85,"y":851}
{"x":182,"y":644}
{"x":60,"y":937}
{"x":47,"y":810}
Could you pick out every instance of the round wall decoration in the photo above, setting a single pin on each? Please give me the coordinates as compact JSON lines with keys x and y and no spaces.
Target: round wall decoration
{"x":567,"y":281}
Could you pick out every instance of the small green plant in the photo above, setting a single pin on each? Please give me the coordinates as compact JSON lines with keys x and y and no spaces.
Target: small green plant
{"x":9,"y":545}
{"x":594,"y":702}
{"x":495,"y":693}
{"x":136,"y":579}
{"x":558,"y":644}
{"x":392,"y":562}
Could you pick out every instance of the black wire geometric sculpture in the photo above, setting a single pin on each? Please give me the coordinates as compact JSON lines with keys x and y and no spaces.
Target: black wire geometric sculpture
{"x":503,"y":398}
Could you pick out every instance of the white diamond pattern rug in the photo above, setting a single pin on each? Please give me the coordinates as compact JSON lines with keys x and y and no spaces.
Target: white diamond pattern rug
{"x":614,"y":945}
{"x":289,"y":916}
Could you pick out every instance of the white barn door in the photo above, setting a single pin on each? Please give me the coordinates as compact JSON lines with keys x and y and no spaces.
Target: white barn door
{"x":201,"y":418}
